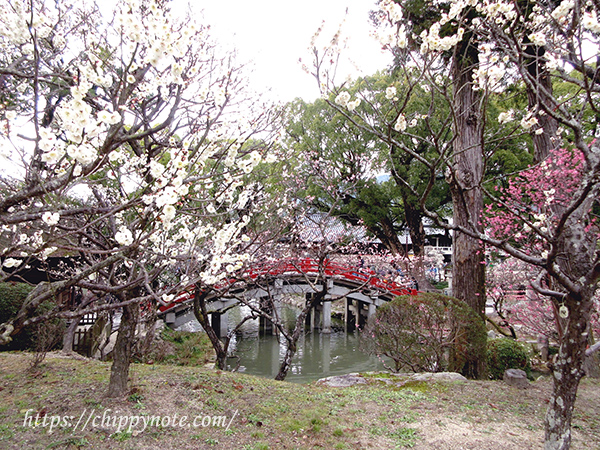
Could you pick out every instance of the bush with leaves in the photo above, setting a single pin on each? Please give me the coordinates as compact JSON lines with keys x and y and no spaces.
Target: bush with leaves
{"x":506,"y":354}
{"x":12,"y":297}
{"x":427,"y":332}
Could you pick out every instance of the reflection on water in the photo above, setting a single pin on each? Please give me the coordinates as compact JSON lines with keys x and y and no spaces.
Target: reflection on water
{"x":318,"y":355}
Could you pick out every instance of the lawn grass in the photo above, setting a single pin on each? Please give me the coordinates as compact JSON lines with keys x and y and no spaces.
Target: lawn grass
{"x":261,"y":413}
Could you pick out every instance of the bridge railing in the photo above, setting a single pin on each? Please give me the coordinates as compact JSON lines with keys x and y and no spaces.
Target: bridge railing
{"x":360,"y":275}
{"x":306,"y":266}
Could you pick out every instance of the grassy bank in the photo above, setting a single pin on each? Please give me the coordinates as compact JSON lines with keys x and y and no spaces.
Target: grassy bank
{"x":263,"y":414}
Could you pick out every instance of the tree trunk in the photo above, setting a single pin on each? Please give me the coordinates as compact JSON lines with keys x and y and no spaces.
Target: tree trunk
{"x":119,"y":372}
{"x":576,"y":255}
{"x":384,"y":229}
{"x":287,"y":359}
{"x":220,"y":347}
{"x":69,"y":336}
{"x":566,"y":373}
{"x":145,"y":344}
{"x":467,"y":174}
{"x":292,"y":340}
{"x":414,"y":222}
{"x":388,"y":235}
{"x":536,"y":67}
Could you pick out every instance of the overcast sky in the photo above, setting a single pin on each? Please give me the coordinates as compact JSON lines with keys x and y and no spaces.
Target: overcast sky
{"x":277,"y":33}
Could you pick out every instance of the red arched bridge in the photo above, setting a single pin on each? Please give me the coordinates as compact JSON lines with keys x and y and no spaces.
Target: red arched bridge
{"x":362,"y":289}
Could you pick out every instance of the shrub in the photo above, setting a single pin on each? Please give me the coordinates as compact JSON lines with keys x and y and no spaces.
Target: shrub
{"x":12,"y":296}
{"x":181,"y":348}
{"x":427,"y":332}
{"x":504,"y":353}
{"x":33,"y":337}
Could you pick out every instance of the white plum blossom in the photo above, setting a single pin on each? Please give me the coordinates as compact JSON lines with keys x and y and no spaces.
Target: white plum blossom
{"x":431,"y":40}
{"x":506,"y":116}
{"x":168,"y":213}
{"x":529,"y":121}
{"x":353,"y":104}
{"x":83,"y":153}
{"x":342,"y":99}
{"x":53,"y":156}
{"x":109,"y":118}
{"x":496,"y":11}
{"x":51,"y":218}
{"x":98,"y":113}
{"x":402,"y":40}
{"x":124,"y":236}
{"x":495,"y":74}
{"x":47,"y":139}
{"x":590,"y":22}
{"x":47,"y":252}
{"x":156,"y":169}
{"x":400,"y":124}
{"x":168,"y":197}
{"x":11,"y":262}
{"x":393,"y":9}
{"x":538,"y":39}
{"x":248,"y":164}
{"x":167,"y":298}
{"x":390,"y":92}
{"x":563,"y":10}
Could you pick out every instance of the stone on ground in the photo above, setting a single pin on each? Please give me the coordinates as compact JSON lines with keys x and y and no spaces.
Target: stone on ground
{"x":516,"y":378}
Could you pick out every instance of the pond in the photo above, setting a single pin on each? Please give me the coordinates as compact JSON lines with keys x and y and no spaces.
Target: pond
{"x":319,"y":355}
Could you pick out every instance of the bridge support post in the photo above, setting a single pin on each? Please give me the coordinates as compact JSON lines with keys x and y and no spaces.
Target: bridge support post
{"x":371,"y":312}
{"x":361,"y":314}
{"x":316,"y":313}
{"x":309,"y":319}
{"x":352,"y":312}
{"x":372,"y":306}
{"x":265,"y":326}
{"x":326,"y":351}
{"x":219,"y":322}
{"x":313,"y":318}
{"x":326,"y":328}
{"x":170,"y":318}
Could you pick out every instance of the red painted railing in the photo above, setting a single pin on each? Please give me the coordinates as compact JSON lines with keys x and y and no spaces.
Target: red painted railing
{"x":359,"y":276}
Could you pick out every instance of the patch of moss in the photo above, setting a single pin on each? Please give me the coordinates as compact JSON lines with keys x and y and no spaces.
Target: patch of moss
{"x":416,"y":386}
{"x":182,"y":348}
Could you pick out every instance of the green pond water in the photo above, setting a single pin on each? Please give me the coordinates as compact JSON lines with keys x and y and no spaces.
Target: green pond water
{"x":318,"y":356}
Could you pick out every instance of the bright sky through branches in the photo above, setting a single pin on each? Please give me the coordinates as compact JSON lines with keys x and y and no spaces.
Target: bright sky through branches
{"x":275,"y":34}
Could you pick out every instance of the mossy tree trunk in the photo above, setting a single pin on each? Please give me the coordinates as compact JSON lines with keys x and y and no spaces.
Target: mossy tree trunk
{"x":467,"y":197}
{"x":567,"y":373}
{"x":119,"y":372}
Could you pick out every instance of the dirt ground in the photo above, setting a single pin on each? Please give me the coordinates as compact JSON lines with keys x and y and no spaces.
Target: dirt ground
{"x":381,"y":413}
